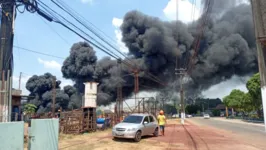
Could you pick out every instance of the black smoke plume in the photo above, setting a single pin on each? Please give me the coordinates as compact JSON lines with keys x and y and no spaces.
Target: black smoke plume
{"x":227,"y":48}
{"x":40,"y":88}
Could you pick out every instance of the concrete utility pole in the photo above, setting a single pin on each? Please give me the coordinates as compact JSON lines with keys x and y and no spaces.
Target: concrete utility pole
{"x":259,"y":18}
{"x":181,"y":72}
{"x":54,"y":95}
{"x":6,"y":54}
{"x":119,"y":102}
{"x":136,"y":78}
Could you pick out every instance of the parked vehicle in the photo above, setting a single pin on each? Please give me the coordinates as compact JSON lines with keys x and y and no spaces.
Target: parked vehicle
{"x":206,"y":116}
{"x":135,"y":126}
{"x":188,"y":116}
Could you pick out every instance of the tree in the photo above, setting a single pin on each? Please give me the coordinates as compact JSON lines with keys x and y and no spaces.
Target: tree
{"x":253,"y":86}
{"x":226,"y":103}
{"x":192,"y":109}
{"x":246,"y":104}
{"x":216,"y":112}
{"x":235,"y":100}
{"x":29,"y":108}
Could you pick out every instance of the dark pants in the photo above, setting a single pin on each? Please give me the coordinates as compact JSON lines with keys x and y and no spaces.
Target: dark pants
{"x":162,"y":128}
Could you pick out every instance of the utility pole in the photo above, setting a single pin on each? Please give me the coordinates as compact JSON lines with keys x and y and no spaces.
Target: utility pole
{"x":119,"y":102}
{"x":6,"y":59}
{"x":136,"y":78}
{"x":19,"y":84}
{"x":143,"y":104}
{"x":163,"y":100}
{"x":259,"y":19}
{"x":54,"y":95}
{"x":181,"y":73}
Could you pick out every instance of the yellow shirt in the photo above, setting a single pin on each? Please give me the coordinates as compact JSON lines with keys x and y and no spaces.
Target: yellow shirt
{"x":161,"y":119}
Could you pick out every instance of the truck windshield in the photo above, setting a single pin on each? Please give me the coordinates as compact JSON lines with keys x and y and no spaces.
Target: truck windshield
{"x":133,"y":119}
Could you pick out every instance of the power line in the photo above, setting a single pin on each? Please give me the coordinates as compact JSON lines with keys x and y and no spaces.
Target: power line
{"x":107,"y":51}
{"x":207,"y":8}
{"x":49,"y":14}
{"x":155,"y":78}
{"x":56,"y":32}
{"x":25,"y":49}
{"x":68,"y":11}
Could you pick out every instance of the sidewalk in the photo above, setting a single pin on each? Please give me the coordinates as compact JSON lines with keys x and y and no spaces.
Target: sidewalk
{"x":237,"y":121}
{"x":193,"y":137}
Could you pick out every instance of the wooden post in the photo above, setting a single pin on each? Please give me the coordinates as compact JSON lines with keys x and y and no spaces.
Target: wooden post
{"x":54,"y":95}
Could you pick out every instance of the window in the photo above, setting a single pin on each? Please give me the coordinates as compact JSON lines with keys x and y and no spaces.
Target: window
{"x":133,"y":119}
{"x":151,"y":119}
{"x":146,"y":119}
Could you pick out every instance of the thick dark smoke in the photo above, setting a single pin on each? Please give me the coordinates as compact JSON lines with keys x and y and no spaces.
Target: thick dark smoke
{"x":227,"y":48}
{"x":40,"y":88}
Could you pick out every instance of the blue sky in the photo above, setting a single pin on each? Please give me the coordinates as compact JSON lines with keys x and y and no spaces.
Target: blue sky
{"x":35,"y":33}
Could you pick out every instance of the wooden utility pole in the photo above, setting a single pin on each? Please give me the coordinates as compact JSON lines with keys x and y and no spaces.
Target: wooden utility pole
{"x":19,"y":84}
{"x":54,"y":95}
{"x":259,"y":18}
{"x":6,"y":48}
{"x":136,"y":78}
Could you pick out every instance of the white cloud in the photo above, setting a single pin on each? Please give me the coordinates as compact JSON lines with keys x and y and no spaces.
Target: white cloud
{"x":185,"y":9}
{"x":65,"y":82}
{"x":86,"y":1}
{"x":50,"y":64}
{"x":118,"y":34}
{"x":238,"y":2}
{"x":222,"y":89}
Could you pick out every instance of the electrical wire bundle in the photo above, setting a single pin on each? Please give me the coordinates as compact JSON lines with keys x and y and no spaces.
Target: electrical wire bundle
{"x":53,"y":16}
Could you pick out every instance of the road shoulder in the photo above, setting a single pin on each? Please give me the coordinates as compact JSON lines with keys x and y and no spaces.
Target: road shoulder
{"x":237,"y":121}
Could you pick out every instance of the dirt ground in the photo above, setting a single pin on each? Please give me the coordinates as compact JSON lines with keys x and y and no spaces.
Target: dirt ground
{"x":178,"y":137}
{"x":102,"y":140}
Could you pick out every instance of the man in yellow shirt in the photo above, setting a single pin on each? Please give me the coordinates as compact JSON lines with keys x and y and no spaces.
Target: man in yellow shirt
{"x":161,"y":121}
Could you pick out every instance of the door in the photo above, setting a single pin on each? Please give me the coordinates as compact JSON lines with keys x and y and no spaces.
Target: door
{"x":43,"y":134}
{"x":146,"y":129}
{"x":152,"y":125}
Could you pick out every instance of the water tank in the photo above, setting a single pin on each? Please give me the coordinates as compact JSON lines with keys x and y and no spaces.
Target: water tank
{"x":90,"y":94}
{"x":100,"y":120}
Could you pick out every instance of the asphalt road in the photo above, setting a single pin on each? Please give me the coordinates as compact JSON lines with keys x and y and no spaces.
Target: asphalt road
{"x":248,"y":131}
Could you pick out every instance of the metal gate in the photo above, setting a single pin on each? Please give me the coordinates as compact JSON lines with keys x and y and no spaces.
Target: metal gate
{"x":43,"y":134}
{"x":12,"y":136}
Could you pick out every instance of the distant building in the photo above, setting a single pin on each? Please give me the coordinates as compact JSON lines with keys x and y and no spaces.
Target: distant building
{"x":16,"y":105}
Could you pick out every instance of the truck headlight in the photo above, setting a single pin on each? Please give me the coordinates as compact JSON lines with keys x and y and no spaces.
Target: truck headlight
{"x":131,"y":129}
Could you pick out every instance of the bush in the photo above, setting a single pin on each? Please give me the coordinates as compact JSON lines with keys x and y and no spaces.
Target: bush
{"x":216,"y":112}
